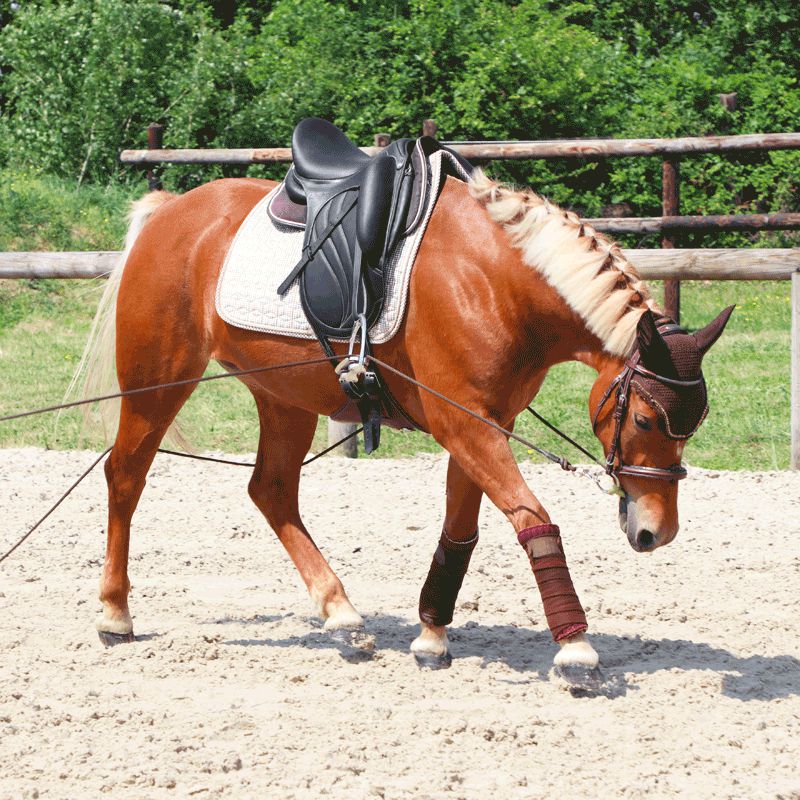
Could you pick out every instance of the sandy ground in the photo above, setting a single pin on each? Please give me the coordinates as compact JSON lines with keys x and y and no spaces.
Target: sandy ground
{"x":233,"y":689}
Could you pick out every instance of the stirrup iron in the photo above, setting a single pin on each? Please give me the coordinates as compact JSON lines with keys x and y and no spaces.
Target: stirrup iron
{"x":362,"y":384}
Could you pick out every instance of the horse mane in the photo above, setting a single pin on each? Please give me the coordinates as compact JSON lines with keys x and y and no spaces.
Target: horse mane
{"x":586,"y":268}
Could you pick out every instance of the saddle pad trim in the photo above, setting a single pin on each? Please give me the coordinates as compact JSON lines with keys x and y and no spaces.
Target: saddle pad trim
{"x":246,"y":295}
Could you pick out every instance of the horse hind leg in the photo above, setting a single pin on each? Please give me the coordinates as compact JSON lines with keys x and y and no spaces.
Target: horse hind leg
{"x":437,"y":600}
{"x":286,"y":434}
{"x":144,"y":419}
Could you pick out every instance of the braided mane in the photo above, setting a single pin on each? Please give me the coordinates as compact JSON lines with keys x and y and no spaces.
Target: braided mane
{"x":587,"y":269}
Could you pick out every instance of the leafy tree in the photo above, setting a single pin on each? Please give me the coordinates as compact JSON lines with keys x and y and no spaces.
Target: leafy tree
{"x":81,"y":80}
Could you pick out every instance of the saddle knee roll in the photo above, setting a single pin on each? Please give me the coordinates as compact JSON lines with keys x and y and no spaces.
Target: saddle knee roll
{"x":450,"y":563}
{"x":565,"y":615}
{"x":374,"y":206}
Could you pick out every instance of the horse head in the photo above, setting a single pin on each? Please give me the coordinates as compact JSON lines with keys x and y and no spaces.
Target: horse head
{"x":644,"y":412}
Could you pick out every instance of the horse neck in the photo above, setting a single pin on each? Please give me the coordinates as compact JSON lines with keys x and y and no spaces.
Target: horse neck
{"x":568,"y":336}
{"x":592,"y":353}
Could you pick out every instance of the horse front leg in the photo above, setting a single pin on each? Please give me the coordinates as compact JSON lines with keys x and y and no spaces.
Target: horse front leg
{"x":485,"y":459}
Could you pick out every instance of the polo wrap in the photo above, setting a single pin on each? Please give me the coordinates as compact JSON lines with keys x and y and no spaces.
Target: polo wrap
{"x":438,"y":596}
{"x":563,"y":610}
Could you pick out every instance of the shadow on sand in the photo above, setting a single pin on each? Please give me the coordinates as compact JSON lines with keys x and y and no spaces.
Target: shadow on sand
{"x":530,"y":653}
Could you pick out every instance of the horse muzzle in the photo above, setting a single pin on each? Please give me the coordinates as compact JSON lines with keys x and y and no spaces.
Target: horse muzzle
{"x":640,"y":537}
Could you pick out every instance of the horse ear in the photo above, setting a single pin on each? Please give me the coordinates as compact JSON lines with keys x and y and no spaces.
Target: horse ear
{"x":705,"y":337}
{"x":652,"y":347}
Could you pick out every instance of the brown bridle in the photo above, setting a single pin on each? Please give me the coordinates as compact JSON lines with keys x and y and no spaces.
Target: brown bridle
{"x":614,"y":466}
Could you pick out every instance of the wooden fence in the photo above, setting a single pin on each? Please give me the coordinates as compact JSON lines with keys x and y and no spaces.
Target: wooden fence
{"x":676,"y":264}
{"x":669,"y":264}
{"x":712,"y":264}
{"x":669,"y":150}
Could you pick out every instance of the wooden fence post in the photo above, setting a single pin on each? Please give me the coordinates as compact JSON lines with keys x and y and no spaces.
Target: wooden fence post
{"x":429,"y":128}
{"x":155,"y":141}
{"x":795,"y":394}
{"x":336,"y":432}
{"x":670,"y":203}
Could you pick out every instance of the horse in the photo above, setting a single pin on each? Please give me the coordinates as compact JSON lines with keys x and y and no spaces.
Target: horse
{"x":504,"y":286}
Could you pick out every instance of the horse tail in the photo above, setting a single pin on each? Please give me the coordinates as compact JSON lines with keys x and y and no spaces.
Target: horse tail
{"x":96,"y":374}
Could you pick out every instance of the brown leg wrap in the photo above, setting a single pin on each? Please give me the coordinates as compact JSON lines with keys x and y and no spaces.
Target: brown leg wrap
{"x":438,"y":597}
{"x":563,"y":610}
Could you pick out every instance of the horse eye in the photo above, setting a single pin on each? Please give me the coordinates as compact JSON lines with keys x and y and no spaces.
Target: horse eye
{"x":643,"y":422}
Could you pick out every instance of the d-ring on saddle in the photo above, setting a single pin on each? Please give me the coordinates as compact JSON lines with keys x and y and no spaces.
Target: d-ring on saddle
{"x":357,"y":209}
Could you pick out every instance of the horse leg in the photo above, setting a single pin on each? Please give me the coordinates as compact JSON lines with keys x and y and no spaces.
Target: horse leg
{"x":286,"y":435}
{"x":450,"y":562}
{"x":144,"y":420}
{"x":486,"y":459}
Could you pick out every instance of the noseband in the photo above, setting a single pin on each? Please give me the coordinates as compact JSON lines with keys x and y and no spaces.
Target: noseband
{"x":615,"y":467}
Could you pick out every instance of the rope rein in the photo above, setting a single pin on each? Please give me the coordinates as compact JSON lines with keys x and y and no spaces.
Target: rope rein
{"x":56,"y":504}
{"x":561,"y":461}
{"x":170,"y":453}
{"x":142,"y":390}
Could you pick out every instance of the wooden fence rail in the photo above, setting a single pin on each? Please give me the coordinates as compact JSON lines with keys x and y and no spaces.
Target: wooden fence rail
{"x":665,"y":264}
{"x":718,"y":264}
{"x":562,"y":148}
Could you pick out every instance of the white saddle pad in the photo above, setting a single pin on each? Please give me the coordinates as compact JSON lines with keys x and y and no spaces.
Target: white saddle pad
{"x":263,"y":253}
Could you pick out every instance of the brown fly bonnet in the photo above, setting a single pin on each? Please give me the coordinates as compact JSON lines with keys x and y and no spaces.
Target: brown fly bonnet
{"x":669,"y":377}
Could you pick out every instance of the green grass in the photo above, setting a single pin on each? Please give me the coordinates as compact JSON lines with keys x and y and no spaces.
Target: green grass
{"x":43,"y":326}
{"x":39,"y":212}
{"x":747,"y":372}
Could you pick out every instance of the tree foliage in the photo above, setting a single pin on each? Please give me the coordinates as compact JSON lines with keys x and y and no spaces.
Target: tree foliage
{"x":81,"y":80}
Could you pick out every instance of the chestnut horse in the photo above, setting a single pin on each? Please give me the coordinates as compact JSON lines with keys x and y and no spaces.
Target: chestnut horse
{"x":504,"y":286}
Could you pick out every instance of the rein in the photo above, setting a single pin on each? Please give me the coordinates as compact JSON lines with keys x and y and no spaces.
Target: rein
{"x":235,"y":373}
{"x":622,"y":382}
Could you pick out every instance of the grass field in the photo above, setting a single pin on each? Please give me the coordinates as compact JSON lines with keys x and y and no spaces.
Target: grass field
{"x":43,"y":325}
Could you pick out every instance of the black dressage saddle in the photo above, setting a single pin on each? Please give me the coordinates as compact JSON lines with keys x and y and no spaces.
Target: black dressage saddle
{"x":355,"y":209}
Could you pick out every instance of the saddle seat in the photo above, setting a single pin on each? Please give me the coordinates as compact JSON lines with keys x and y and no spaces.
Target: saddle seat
{"x":327,"y":165}
{"x":322,"y":152}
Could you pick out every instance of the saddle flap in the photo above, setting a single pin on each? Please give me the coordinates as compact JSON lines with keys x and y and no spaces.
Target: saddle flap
{"x":331,"y":281}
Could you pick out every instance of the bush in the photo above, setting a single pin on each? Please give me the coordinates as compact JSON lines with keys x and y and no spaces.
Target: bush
{"x":85,"y":79}
{"x":82,"y":80}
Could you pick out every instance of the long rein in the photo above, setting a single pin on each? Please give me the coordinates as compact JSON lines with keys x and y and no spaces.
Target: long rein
{"x":560,"y":460}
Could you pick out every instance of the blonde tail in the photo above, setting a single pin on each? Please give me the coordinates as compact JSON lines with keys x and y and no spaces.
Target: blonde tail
{"x":96,"y":373}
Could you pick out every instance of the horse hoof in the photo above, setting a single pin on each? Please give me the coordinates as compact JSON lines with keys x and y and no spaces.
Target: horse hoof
{"x":433,"y":660}
{"x":357,"y":638}
{"x":112,"y":639}
{"x":580,"y":680}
